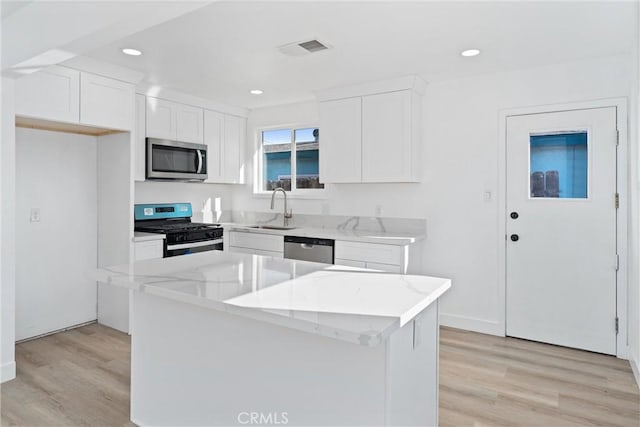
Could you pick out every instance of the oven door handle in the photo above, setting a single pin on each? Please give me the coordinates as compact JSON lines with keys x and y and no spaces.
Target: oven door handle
{"x":194,"y":244}
{"x":199,"y":161}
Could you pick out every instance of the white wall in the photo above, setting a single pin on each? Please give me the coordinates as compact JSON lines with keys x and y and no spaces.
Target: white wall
{"x":460,"y":163}
{"x":7,"y":233}
{"x":194,"y":193}
{"x":56,"y":173}
{"x":634,"y":226}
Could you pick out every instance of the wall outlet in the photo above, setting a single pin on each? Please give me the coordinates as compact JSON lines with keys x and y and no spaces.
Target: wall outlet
{"x":378,"y":211}
{"x":487,"y":196}
{"x":35,"y":215}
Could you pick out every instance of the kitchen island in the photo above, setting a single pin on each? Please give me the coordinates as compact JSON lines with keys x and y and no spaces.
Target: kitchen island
{"x":232,"y":339}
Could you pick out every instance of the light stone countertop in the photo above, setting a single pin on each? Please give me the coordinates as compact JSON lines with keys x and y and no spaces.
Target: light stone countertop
{"x":387,"y":238}
{"x":351,"y":304}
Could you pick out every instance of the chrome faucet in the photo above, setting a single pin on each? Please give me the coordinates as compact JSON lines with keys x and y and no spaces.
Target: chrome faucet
{"x":287,"y":212}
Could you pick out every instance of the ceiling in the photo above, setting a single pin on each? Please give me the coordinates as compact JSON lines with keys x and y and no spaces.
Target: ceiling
{"x":223,"y":50}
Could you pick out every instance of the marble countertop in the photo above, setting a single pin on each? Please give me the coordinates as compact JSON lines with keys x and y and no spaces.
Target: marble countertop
{"x":351,"y":304}
{"x":139,"y":236}
{"x":387,"y":238}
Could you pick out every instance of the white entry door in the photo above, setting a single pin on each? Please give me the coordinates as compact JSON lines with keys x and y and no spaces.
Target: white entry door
{"x":561,"y":228}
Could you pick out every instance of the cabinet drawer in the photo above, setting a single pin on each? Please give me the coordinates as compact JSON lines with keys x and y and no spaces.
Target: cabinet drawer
{"x":265,"y":242}
{"x":270,"y":253}
{"x":151,"y":249}
{"x":370,"y":252}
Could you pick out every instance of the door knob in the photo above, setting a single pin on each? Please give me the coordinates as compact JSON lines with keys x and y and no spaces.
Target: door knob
{"x":514,"y":215}
{"x":515,"y":237}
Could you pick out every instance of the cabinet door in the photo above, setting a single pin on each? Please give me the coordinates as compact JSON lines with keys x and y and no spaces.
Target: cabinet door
{"x":190,"y":127}
{"x":140,"y":138}
{"x":386,"y":137}
{"x":152,"y":249}
{"x":341,"y":135}
{"x":50,"y":94}
{"x":161,"y":118}
{"x":234,"y":130}
{"x":213,"y":136}
{"x":106,"y":102}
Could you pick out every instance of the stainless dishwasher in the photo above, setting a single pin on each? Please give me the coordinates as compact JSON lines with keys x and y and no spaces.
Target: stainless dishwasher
{"x":309,"y":249}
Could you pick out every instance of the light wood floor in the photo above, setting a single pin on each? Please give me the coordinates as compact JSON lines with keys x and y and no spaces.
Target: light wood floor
{"x":81,"y":377}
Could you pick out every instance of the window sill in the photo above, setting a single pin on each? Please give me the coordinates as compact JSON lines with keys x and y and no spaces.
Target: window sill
{"x":316,"y":195}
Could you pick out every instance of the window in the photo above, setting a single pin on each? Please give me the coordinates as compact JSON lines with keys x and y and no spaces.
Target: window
{"x":558,"y":165}
{"x":290,"y":159}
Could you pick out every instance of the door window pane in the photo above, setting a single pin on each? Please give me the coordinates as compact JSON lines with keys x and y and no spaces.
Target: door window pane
{"x":558,"y":165}
{"x":307,"y":167}
{"x":277,"y":159}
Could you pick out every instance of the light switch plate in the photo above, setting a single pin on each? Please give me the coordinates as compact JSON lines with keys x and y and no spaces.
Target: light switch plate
{"x":35,"y":215}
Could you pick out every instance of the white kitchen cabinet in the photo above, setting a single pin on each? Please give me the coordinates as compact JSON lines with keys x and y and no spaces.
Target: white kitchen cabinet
{"x":213,"y":136}
{"x":389,"y":258}
{"x":224,"y":137}
{"x":149,"y":249}
{"x":106,"y":103}
{"x":341,"y":139}
{"x":387,"y":143}
{"x":140,"y":138}
{"x":234,"y":131}
{"x":256,"y":241}
{"x":189,"y":124}
{"x":161,"y":118}
{"x":174,"y":121}
{"x":371,"y":133}
{"x":50,"y":94}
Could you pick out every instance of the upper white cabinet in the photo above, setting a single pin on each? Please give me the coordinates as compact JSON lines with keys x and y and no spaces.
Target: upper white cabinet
{"x":190,"y":124}
{"x":140,"y":138}
{"x":161,"y":118}
{"x":388,"y":146}
{"x":224,"y":137}
{"x":65,"y":95}
{"x":371,"y":133}
{"x":341,"y":136}
{"x":50,"y":94}
{"x":106,"y":102}
{"x":171,"y":120}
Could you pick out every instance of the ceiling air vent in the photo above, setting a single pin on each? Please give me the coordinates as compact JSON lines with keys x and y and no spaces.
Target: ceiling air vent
{"x":303,"y":48}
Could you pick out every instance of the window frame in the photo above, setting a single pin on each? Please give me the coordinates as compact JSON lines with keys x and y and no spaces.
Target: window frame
{"x":304,"y":193}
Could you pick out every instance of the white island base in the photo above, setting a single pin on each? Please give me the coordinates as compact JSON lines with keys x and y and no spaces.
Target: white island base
{"x":192,"y":365}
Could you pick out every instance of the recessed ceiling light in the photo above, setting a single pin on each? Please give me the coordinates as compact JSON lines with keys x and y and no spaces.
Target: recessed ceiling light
{"x":470,"y":52}
{"x":256,"y":92}
{"x":132,"y":52}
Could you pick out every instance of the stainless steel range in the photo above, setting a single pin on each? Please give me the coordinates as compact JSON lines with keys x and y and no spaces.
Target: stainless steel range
{"x":174,"y":220}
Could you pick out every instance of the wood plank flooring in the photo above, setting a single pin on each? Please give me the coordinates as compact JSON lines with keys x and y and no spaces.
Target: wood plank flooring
{"x":81,"y":378}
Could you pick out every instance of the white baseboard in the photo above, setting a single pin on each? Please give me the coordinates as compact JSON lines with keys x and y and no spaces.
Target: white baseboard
{"x":471,"y":324}
{"x":634,"y":367}
{"x":7,"y":372}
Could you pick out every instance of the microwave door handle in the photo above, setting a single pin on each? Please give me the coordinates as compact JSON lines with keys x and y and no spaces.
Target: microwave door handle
{"x":199,"y":161}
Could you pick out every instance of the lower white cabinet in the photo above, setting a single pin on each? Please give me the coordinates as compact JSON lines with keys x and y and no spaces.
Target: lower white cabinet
{"x":389,"y":258}
{"x":256,"y":244}
{"x":149,"y":249}
{"x":114,"y":304}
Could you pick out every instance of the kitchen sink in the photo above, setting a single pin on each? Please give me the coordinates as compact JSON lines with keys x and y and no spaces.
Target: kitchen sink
{"x":272,"y":227}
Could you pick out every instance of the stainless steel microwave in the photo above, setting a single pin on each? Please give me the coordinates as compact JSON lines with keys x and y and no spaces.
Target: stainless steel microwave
{"x":176,"y":160}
